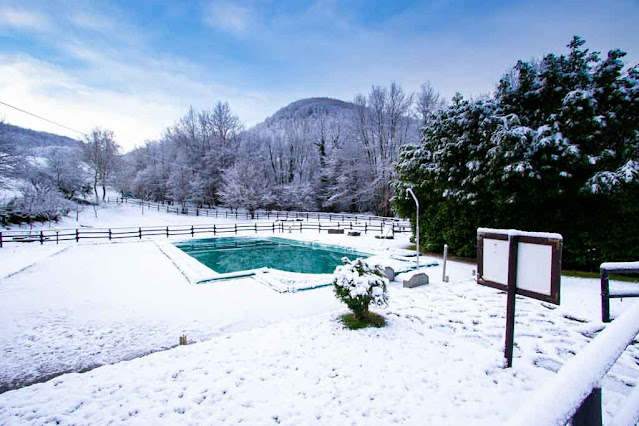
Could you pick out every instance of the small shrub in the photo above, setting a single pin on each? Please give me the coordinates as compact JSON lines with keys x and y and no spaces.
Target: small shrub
{"x":370,"y":319}
{"x":357,"y":284}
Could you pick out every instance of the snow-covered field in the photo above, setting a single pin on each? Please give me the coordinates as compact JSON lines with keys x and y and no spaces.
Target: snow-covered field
{"x":262,"y":356}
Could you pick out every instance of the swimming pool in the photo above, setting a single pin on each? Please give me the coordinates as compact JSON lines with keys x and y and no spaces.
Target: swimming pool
{"x":228,"y":255}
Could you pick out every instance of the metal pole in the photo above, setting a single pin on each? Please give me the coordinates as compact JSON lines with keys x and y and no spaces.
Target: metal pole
{"x":444,"y":279}
{"x":605,"y":296}
{"x":410,"y":191}
{"x":513,"y":242}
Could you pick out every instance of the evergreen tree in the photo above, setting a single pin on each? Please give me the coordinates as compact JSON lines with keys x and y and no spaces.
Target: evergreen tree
{"x":556,"y":149}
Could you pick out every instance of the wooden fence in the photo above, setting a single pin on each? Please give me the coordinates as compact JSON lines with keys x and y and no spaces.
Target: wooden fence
{"x":223,"y":212}
{"x":85,"y":234}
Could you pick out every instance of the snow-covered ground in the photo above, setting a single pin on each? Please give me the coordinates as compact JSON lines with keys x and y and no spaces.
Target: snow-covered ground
{"x":262,"y":356}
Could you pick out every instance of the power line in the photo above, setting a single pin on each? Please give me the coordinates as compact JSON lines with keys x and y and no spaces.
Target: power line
{"x":42,"y":118}
{"x":86,"y":134}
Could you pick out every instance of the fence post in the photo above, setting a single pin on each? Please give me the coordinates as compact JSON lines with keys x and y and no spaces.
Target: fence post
{"x":365,"y":227}
{"x":351,"y":226}
{"x":236,"y":226}
{"x":167,"y":232}
{"x":109,"y":234}
{"x":41,"y":237}
{"x":273,"y":232}
{"x":319,"y":227}
{"x":0,"y":239}
{"x":140,"y":232}
{"x":330,"y":217}
{"x":589,"y":412}
{"x":77,"y":236}
{"x":197,"y":211}
{"x":191,"y":230}
{"x":214,"y":227}
{"x":605,"y":296}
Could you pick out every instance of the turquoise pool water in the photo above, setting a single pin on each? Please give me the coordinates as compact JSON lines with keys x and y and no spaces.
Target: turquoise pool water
{"x":233,"y":254}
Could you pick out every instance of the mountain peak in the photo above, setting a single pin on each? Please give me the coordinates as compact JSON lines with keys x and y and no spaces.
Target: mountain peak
{"x":309,"y":107}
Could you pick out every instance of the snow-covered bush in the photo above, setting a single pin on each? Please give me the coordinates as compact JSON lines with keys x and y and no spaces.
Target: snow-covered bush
{"x":358,"y":284}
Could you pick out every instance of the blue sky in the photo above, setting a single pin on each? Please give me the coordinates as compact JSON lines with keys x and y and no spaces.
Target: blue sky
{"x":136,"y":66}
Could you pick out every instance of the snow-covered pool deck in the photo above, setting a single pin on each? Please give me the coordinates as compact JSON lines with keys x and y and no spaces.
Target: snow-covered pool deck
{"x":283,"y":281}
{"x":265,"y":357}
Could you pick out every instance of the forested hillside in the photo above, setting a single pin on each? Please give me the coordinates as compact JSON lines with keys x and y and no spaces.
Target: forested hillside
{"x":26,"y":139}
{"x":316,"y":153}
{"x":45,"y":176}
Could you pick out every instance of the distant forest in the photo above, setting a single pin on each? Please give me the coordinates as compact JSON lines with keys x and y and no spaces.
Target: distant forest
{"x":554,"y":148}
{"x":314,"y":154}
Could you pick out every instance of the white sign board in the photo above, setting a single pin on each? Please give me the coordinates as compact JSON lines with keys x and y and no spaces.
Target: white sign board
{"x":534,"y":268}
{"x":534,"y":256}
{"x":495,"y":261}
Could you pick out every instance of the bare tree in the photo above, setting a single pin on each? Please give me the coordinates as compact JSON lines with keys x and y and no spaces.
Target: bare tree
{"x":9,"y":157}
{"x":245,"y":186}
{"x":428,"y":101}
{"x":382,"y":123}
{"x":101,"y":152}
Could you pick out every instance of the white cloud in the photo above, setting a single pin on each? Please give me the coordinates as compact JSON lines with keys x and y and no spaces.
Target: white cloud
{"x":91,"y":21}
{"x":23,"y":19}
{"x":151,"y":103}
{"x":228,"y":17}
{"x":116,"y":83}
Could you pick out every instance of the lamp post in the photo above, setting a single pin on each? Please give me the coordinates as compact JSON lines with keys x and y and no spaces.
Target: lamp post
{"x":410,"y":191}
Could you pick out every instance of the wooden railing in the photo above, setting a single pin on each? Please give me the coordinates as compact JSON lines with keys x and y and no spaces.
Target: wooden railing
{"x":607,"y":293}
{"x":574,"y":393}
{"x":226,"y":213}
{"x":83,"y":234}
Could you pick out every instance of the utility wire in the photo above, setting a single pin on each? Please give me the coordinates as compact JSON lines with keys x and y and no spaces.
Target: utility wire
{"x":85,"y":134}
{"x":42,"y":118}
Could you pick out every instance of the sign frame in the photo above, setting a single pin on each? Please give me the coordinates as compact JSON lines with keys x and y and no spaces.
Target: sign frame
{"x":514,"y":240}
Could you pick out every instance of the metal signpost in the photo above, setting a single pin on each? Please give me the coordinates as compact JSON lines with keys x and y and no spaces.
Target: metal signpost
{"x":520,"y":263}
{"x":410,"y":191}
